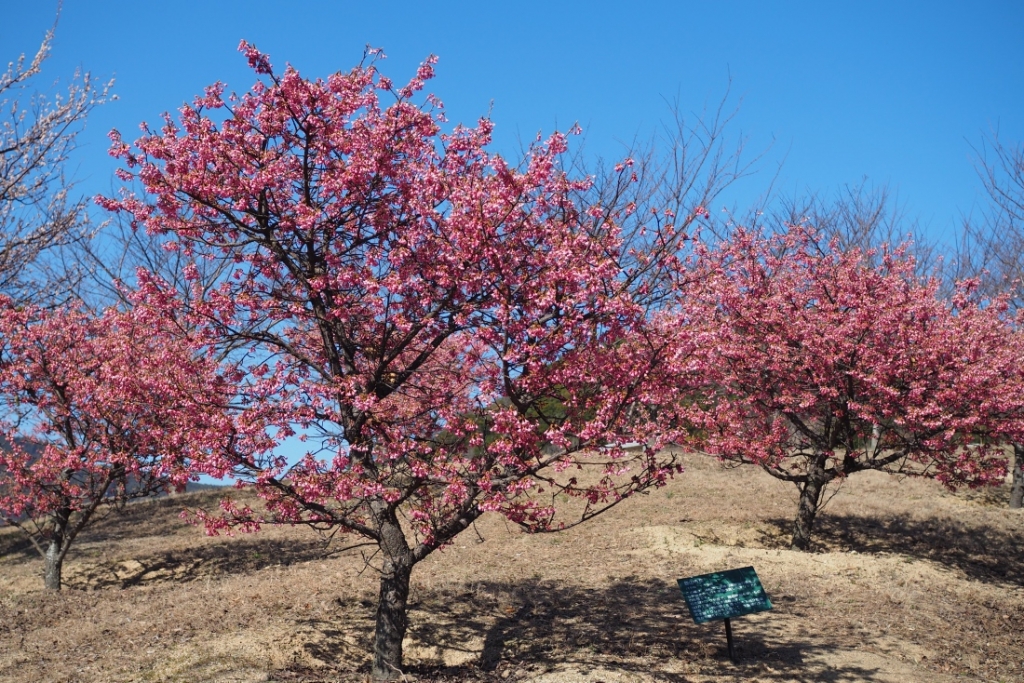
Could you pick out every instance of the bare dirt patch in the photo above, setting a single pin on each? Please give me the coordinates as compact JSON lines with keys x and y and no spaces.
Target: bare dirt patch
{"x":908,"y":583}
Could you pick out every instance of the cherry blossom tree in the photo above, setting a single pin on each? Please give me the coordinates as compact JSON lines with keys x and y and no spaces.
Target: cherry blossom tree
{"x":95,"y":411}
{"x":823,"y":363}
{"x":437,"y":324}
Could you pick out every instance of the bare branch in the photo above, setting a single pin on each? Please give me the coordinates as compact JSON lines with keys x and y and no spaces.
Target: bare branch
{"x":993,"y":244}
{"x":38,"y":210}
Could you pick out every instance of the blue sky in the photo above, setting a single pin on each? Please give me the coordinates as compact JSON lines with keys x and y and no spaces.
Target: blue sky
{"x":896,"y":92}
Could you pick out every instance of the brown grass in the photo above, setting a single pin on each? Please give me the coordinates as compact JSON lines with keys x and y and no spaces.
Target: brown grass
{"x":909,"y":583}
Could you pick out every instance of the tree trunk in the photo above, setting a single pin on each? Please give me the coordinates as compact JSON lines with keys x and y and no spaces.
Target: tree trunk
{"x":1017,"y":484}
{"x":810,"y":498}
{"x":58,"y":538}
{"x":392,"y":603}
{"x":392,"y":621}
{"x":876,"y":436}
{"x":53,"y":561}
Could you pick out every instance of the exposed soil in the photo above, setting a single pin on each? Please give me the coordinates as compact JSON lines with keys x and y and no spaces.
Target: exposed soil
{"x":908,"y":583}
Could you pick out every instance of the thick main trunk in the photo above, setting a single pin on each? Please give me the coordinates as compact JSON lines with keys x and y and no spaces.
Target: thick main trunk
{"x":1017,"y":483}
{"x":810,"y":499}
{"x":59,"y":536}
{"x":392,"y":622}
{"x":392,"y":603}
{"x":53,"y":562}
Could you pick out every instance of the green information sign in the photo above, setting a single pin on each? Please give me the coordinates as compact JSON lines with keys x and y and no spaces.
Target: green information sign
{"x":724,"y":595}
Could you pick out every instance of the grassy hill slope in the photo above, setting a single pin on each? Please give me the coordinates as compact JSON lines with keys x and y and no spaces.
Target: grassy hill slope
{"x":908,"y":583}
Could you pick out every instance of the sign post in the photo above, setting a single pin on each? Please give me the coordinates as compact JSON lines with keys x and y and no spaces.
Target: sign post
{"x":724,"y":595}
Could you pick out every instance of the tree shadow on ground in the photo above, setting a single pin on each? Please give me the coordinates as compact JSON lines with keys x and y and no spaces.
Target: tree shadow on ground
{"x":152,"y":516}
{"x":495,"y":631}
{"x":233,"y":556}
{"x":145,"y":517}
{"x":984,"y":552}
{"x":15,"y":544}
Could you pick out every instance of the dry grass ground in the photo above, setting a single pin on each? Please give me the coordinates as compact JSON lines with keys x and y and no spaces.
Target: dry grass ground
{"x":909,"y":583}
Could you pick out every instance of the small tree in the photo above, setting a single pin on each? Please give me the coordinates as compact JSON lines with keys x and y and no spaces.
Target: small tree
{"x":821,"y":364}
{"x":93,"y":414}
{"x":37,"y":136}
{"x":440,"y":325}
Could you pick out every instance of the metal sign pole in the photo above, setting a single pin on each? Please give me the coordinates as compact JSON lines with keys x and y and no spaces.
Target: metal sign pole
{"x":728,"y":639}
